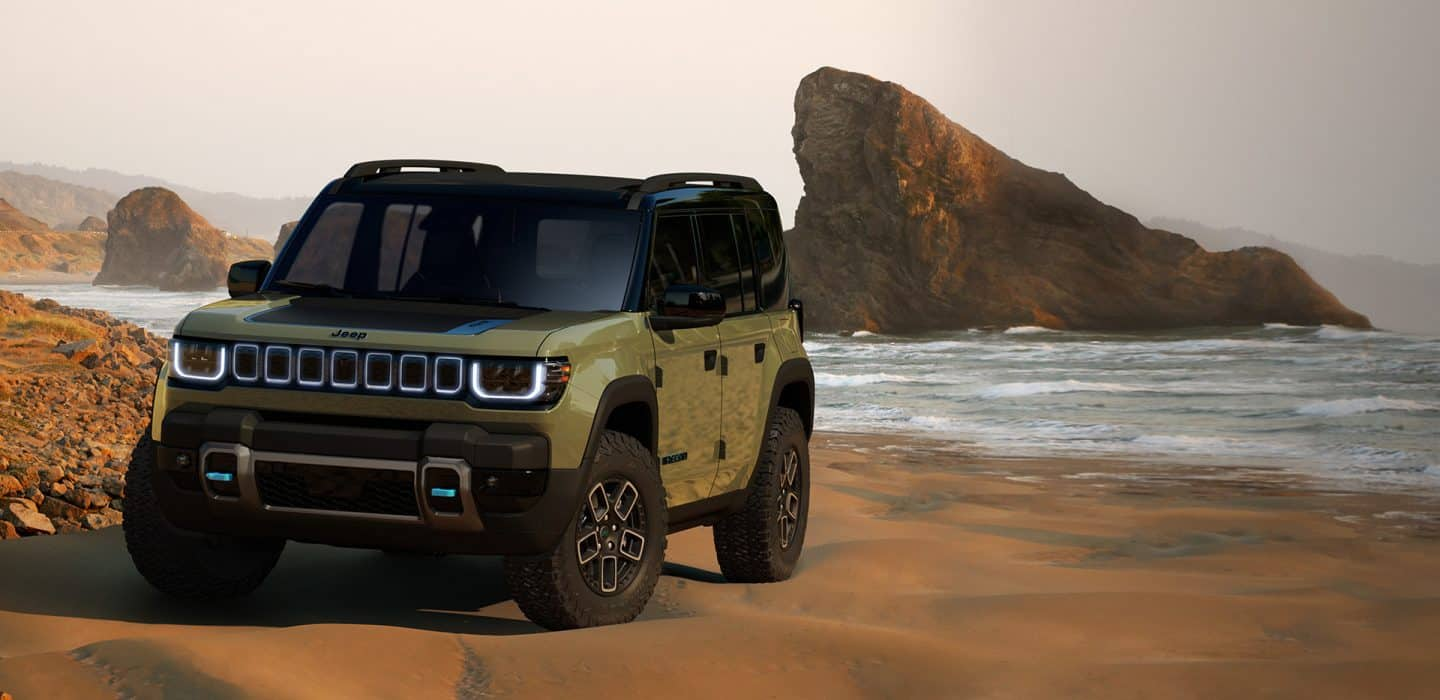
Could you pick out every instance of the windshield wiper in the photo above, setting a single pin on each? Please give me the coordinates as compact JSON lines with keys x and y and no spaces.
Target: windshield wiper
{"x":319,"y":289}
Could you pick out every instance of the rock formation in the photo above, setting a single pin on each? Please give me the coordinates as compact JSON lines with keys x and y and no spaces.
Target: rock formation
{"x":286,"y":229}
{"x":64,"y":470}
{"x":911,"y":223}
{"x":12,"y":219}
{"x":156,"y":239}
{"x":91,"y":223}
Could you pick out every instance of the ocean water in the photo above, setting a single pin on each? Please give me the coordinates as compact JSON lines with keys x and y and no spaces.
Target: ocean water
{"x":1358,"y":406}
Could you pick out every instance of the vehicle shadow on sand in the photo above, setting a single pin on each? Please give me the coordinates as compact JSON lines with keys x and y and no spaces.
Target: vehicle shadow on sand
{"x":90,"y":576}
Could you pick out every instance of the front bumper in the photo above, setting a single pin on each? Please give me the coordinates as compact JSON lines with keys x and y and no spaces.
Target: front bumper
{"x":439,"y":487}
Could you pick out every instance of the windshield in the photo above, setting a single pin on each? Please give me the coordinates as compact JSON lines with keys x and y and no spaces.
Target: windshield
{"x":457,"y":250}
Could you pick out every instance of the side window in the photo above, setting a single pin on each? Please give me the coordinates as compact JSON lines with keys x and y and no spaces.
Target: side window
{"x":672,"y":258}
{"x":721,"y":259}
{"x":769,"y":259}
{"x":324,"y":256}
{"x":747,"y":260}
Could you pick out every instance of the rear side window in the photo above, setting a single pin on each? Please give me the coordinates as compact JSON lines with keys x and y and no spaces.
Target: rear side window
{"x":673,"y":259}
{"x":769,"y":247}
{"x":721,"y":259}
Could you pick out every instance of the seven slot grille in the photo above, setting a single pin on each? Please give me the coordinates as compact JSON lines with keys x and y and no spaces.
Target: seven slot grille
{"x":371,"y":371}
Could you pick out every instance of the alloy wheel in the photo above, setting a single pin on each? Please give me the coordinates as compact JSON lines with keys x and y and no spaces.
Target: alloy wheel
{"x":789,"y":503}
{"x":610,"y":536}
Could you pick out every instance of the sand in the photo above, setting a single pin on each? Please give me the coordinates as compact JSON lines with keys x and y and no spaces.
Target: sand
{"x":927,"y":573}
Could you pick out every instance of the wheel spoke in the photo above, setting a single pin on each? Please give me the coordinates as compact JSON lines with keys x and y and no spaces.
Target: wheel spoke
{"x":632,"y":544}
{"x":609,"y":573}
{"x":792,"y":469}
{"x":587,"y":547}
{"x":792,"y":506}
{"x":599,"y":502}
{"x":625,"y":500}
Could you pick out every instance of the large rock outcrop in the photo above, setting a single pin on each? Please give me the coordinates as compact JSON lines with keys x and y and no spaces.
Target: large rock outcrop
{"x":155,"y":239}
{"x":12,"y":219}
{"x":91,"y":223}
{"x":910,"y":223}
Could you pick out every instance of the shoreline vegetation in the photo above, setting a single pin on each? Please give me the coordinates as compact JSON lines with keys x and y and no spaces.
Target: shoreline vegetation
{"x":927,"y":572}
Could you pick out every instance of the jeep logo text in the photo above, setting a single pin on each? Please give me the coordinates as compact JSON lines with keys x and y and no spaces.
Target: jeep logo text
{"x":353,"y":335}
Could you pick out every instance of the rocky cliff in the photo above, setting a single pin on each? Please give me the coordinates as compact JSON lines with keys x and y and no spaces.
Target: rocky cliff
{"x":910,"y":223}
{"x":58,"y":204}
{"x":12,"y":219}
{"x":67,"y":252}
{"x":156,"y":239}
{"x":63,"y":470}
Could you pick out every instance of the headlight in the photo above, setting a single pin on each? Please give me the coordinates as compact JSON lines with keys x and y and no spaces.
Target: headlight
{"x":197,"y":361}
{"x":528,"y":381}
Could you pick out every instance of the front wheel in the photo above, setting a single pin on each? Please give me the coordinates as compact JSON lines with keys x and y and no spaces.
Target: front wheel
{"x":181,"y":563}
{"x":762,"y":543}
{"x":605,"y":566}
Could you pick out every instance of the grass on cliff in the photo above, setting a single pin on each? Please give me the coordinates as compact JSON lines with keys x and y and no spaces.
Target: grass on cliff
{"x":58,"y":327}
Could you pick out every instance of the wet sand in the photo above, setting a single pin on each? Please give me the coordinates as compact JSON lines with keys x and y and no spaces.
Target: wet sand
{"x":927,"y":572}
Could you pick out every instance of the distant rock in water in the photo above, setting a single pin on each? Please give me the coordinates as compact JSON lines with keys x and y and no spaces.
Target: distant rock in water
{"x":12,"y":219}
{"x":91,"y":223}
{"x":286,"y":229}
{"x":911,"y":223}
{"x":155,"y":239}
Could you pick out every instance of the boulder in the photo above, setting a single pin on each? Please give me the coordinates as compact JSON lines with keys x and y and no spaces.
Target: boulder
{"x":911,"y":223}
{"x":22,"y":514}
{"x":155,"y":239}
{"x":10,"y":486}
{"x":102,"y":519}
{"x":92,"y":223}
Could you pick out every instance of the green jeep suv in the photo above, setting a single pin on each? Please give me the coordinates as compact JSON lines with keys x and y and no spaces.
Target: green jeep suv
{"x":448,"y":357}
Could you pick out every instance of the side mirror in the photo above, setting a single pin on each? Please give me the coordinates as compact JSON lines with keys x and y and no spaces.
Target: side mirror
{"x":245,"y":277}
{"x":688,"y":306}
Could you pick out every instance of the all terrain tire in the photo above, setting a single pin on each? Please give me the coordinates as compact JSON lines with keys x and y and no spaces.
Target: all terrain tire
{"x":604,"y":569}
{"x":762,"y":542}
{"x":181,"y":563}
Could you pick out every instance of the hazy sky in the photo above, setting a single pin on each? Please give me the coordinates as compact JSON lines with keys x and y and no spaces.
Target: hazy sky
{"x":1313,"y":121}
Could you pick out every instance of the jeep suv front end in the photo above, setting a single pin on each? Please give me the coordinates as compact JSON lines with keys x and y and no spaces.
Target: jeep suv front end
{"x":473,"y":361}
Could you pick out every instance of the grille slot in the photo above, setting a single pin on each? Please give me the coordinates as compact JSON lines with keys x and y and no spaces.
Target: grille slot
{"x":343,"y":489}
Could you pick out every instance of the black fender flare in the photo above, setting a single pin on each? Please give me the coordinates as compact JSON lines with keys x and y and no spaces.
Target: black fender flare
{"x":792,"y":371}
{"x":635,"y":388}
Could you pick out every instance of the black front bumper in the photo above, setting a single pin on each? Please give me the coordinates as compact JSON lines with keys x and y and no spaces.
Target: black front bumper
{"x":439,"y":487}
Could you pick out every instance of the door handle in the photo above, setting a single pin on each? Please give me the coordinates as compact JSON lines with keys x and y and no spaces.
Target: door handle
{"x":710,"y":357}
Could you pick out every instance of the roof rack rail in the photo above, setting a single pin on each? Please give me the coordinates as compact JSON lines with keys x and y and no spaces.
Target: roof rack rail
{"x":386,"y":167}
{"x":670,"y":181}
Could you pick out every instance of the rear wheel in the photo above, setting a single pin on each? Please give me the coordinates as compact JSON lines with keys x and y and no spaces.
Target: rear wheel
{"x":762,"y":543}
{"x":606,"y":564}
{"x":181,"y":563}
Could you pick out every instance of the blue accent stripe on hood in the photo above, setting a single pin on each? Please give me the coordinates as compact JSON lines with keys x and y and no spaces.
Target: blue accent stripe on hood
{"x":475,"y":327}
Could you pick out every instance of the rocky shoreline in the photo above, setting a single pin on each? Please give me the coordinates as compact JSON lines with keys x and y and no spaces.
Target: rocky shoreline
{"x":64,"y":470}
